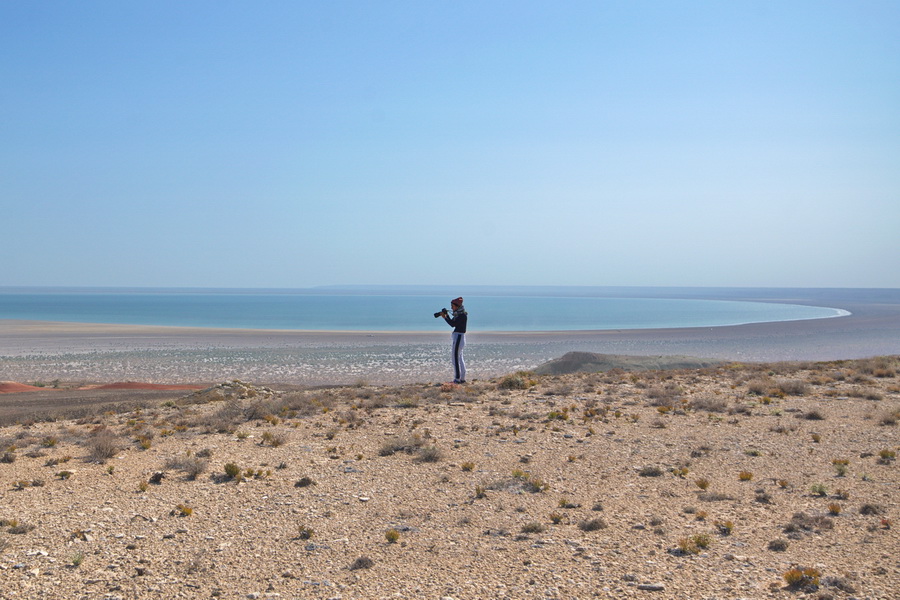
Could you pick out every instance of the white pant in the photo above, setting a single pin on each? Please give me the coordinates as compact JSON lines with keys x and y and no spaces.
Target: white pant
{"x":459,"y":364}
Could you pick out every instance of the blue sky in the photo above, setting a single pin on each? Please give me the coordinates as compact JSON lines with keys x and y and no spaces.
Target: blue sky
{"x":294,"y":144}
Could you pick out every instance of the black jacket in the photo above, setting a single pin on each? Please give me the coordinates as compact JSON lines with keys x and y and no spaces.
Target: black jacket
{"x":457,"y":322}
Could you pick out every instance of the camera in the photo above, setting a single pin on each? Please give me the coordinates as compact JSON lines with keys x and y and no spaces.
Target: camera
{"x":440,"y":314}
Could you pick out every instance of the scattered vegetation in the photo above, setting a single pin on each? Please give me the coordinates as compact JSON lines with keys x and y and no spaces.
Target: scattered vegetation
{"x":636,"y":415}
{"x":802,"y":578}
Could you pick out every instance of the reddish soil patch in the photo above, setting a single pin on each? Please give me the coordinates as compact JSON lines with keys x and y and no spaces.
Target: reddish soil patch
{"x":136,"y":385}
{"x":11,"y":387}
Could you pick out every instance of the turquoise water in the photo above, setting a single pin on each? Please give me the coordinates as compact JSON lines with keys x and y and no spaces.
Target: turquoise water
{"x":402,"y":312}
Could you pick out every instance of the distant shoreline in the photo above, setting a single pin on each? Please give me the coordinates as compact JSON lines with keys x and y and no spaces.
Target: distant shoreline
{"x":35,"y":350}
{"x":409,"y":309}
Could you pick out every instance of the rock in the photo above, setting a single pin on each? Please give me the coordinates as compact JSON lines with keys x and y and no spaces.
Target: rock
{"x":651,"y":587}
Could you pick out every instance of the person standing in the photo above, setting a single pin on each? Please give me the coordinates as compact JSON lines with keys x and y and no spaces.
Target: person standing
{"x":458,"y":322}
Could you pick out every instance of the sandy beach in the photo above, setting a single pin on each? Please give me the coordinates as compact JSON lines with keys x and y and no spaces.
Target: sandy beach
{"x":43,"y":351}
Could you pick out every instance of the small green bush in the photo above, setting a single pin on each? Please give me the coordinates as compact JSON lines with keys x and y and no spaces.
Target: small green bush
{"x":232,"y":470}
{"x":802,"y":577}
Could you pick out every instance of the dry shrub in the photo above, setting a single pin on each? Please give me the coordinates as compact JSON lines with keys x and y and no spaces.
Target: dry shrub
{"x":802,"y":523}
{"x":813,"y":415}
{"x":759,"y":386}
{"x":430,"y":454}
{"x":793,"y":387}
{"x":260,"y":409}
{"x":304,"y":404}
{"x":398,"y":444}
{"x":103,"y":446}
{"x":226,"y":419}
{"x":710,"y":404}
{"x":363,"y":562}
{"x":516,"y":381}
{"x":592,"y":524}
{"x":881,"y":366}
{"x":667,"y":395}
{"x":192,"y":466}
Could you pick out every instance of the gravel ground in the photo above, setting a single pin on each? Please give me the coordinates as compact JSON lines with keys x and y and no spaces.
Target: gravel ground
{"x":569,"y":486}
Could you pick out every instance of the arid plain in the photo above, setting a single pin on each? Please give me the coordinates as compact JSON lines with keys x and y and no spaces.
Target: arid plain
{"x":770,"y":480}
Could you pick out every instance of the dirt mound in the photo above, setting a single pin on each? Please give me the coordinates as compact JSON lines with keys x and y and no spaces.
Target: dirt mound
{"x":590,"y":362}
{"x":230,"y":390}
{"x":11,"y":387}
{"x":136,"y":385}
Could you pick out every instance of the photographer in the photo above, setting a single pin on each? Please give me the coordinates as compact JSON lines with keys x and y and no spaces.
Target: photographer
{"x":458,"y":322}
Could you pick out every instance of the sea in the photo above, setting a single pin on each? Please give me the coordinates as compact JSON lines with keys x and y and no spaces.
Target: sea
{"x":404,"y":308}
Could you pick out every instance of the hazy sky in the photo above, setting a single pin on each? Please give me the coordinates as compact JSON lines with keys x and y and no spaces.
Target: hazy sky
{"x":293,"y":144}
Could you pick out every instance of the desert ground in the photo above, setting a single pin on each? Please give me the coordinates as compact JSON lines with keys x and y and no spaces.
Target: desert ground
{"x":738,"y":480}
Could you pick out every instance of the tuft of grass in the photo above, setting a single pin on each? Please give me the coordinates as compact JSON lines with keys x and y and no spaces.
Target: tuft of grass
{"x":702,"y":483}
{"x":745,"y":476}
{"x":275,"y":439}
{"x":694,"y":544}
{"x":724,"y":527}
{"x":392,"y":536}
{"x":305,"y":533}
